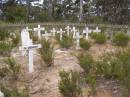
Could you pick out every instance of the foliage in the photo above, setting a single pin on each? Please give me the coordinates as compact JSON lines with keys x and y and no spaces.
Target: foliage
{"x":4,"y":34}
{"x":66,"y":42}
{"x":100,"y":38}
{"x":121,"y":39}
{"x":5,"y":48}
{"x":47,"y":52}
{"x":69,"y":84}
{"x":3,"y":72}
{"x":85,"y":44}
{"x":12,"y":92}
{"x":15,"y":39}
{"x":93,"y":35}
{"x":86,"y":62}
{"x":13,"y":67}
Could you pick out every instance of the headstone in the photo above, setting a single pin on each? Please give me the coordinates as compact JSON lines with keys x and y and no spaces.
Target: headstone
{"x":86,"y":31}
{"x":38,"y":30}
{"x":68,"y":30}
{"x":46,"y":35}
{"x":28,"y":47}
{"x":61,"y":33}
{"x":74,"y":32}
{"x":97,"y":30}
{"x":1,"y":94}
{"x":53,"y":31}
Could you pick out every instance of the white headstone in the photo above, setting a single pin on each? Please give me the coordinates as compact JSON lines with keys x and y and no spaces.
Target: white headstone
{"x":38,"y":30}
{"x":1,"y":94}
{"x":97,"y":30}
{"x":68,"y":30}
{"x":28,"y":47}
{"x":61,"y":33}
{"x":86,"y":31}
{"x":53,"y":31}
{"x":77,"y":40}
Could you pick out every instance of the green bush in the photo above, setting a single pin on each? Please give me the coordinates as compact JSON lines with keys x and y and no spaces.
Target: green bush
{"x":69,"y":84}
{"x":85,"y":44}
{"x":5,"y":48}
{"x":86,"y":62}
{"x":66,"y":42}
{"x":121,"y":39}
{"x":100,"y":38}
{"x":93,"y":35}
{"x":13,"y":67}
{"x":47,"y":52}
{"x":3,"y":72}
{"x":4,"y":34}
{"x":12,"y":92}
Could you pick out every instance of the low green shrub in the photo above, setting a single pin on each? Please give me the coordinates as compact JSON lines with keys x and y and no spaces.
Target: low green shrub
{"x":100,"y":38}
{"x":93,"y":35}
{"x":47,"y":52}
{"x":4,"y":34}
{"x":85,"y":44}
{"x":69,"y":84}
{"x":5,"y":48}
{"x":66,"y":42}
{"x":120,"y":39}
{"x":86,"y":62}
{"x":13,"y":67}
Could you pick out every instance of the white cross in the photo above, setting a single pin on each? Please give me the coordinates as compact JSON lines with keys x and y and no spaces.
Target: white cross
{"x":86,"y":31}
{"x":77,"y":40}
{"x":53,"y":31}
{"x":38,"y":30}
{"x":1,"y":94}
{"x":68,"y":30}
{"x":28,"y":29}
{"x":28,"y":47}
{"x":61,"y":33}
{"x":97,"y":30}
{"x":74,"y":32}
{"x":46,"y":35}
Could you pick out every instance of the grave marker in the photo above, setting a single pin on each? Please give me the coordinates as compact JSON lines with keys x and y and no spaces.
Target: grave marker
{"x":46,"y":35}
{"x":61,"y":33}
{"x":28,"y":29}
{"x":1,"y":94}
{"x":68,"y":30}
{"x":53,"y":31}
{"x":97,"y":30}
{"x":74,"y":32}
{"x":38,"y":30}
{"x":28,"y":47}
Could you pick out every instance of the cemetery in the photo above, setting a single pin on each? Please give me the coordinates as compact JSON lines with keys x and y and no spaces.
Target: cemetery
{"x":64,"y":48}
{"x":66,"y":61}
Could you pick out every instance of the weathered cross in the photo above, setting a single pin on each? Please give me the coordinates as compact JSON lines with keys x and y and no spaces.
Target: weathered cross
{"x":28,"y":46}
{"x":28,"y":29}
{"x":53,"y":31}
{"x":86,"y":32}
{"x":1,"y":94}
{"x":38,"y":30}
{"x":68,"y":30}
{"x":77,"y":40}
{"x":61,"y":33}
{"x":97,"y":30}
{"x":74,"y":32}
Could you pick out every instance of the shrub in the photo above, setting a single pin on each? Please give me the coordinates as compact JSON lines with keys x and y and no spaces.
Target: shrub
{"x":15,"y":39}
{"x":66,"y":42}
{"x":93,"y":35}
{"x":12,"y":92}
{"x":3,"y":34}
{"x":3,"y":72}
{"x":85,"y":44}
{"x":5,"y":48}
{"x":120,"y":39}
{"x":13,"y":67}
{"x":47,"y":52}
{"x":100,"y":38}
{"x":86,"y":62}
{"x":69,"y":84}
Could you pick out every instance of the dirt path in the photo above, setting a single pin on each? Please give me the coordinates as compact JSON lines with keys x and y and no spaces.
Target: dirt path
{"x":46,"y":84}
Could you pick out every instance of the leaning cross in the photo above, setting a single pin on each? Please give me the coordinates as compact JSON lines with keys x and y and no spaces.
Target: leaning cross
{"x":38,"y":30}
{"x":68,"y":30}
{"x":61,"y":33}
{"x":28,"y":47}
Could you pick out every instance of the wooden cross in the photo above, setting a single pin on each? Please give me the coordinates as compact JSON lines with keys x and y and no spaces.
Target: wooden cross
{"x":53,"y":31}
{"x":68,"y":30}
{"x":97,"y":30}
{"x":61,"y":33}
